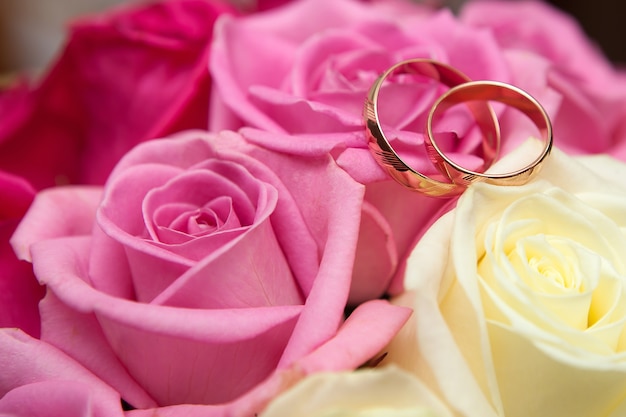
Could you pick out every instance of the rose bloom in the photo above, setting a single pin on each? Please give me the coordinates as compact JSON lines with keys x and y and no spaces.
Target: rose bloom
{"x":205,"y":271}
{"x":388,"y":392}
{"x":131,"y":74}
{"x":304,"y":70}
{"x":125,"y":76}
{"x":520,"y":296}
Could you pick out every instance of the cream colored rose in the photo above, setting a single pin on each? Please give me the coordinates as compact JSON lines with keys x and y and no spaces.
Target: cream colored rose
{"x":520,"y":296}
{"x":385,"y":392}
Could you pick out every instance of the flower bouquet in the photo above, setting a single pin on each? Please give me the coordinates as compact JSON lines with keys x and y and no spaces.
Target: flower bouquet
{"x":195,"y":223}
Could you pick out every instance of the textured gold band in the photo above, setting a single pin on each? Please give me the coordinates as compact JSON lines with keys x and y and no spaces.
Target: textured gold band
{"x":389,"y":159}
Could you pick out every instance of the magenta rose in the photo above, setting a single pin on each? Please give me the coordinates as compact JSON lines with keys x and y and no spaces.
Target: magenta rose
{"x":132,"y":74}
{"x":19,"y":290}
{"x":302,"y":73}
{"x":205,"y":271}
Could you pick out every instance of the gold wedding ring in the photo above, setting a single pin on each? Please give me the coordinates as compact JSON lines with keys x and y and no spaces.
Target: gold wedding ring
{"x":389,"y":159}
{"x":484,"y":91}
{"x":475,"y":95}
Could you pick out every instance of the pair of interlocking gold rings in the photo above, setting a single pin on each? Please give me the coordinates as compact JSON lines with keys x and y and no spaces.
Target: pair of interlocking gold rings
{"x":476,"y":95}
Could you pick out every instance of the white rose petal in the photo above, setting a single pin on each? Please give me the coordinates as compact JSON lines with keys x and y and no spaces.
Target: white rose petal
{"x":520,"y":295}
{"x":388,"y":392}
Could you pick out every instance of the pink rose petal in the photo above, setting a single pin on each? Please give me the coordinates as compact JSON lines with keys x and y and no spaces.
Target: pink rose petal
{"x":26,"y":361}
{"x":51,"y":398}
{"x":57,"y":212}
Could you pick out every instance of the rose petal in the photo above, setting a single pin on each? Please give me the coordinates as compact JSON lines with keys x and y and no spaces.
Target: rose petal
{"x":79,"y":336}
{"x":340,"y":353}
{"x":16,"y":195}
{"x":19,"y":290}
{"x":311,"y":64}
{"x":376,"y":257}
{"x":26,"y":360}
{"x":56,"y":212}
{"x":436,"y":331}
{"x":119,"y":217}
{"x":333,"y":226}
{"x":300,"y":116}
{"x":569,"y":49}
{"x":229,"y":73}
{"x":550,"y":385}
{"x":252,"y":202}
{"x":67,"y":398}
{"x":353,"y":343}
{"x":362,"y":393}
{"x":225,"y":280}
{"x":194,"y":339}
{"x":314,"y":145}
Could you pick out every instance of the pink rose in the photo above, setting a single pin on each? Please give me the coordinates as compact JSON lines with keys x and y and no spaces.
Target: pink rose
{"x":106,"y":92}
{"x":314,"y":62}
{"x":302,"y":72}
{"x":132,"y":74}
{"x":19,"y":291}
{"x":205,"y":271}
{"x":123,"y":77}
{"x":548,"y":52}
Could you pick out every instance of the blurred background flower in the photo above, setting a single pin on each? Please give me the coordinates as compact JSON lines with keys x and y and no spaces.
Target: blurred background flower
{"x":32,"y":31}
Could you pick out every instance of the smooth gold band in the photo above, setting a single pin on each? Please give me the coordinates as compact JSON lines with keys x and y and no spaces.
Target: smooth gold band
{"x":389,"y":159}
{"x":484,"y":91}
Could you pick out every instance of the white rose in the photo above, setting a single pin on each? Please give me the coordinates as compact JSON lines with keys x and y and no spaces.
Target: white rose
{"x":520,"y":296}
{"x":385,"y":392}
